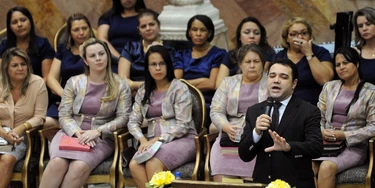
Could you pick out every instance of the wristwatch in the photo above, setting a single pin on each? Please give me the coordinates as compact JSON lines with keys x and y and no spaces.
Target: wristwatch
{"x":310,"y":57}
{"x":161,"y":139}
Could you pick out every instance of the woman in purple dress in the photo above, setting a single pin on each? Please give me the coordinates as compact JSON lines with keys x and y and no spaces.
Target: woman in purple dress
{"x":93,"y":106}
{"x":166,"y":104}
{"x":228,"y":110}
{"x":67,"y":62}
{"x":364,"y":29}
{"x":348,"y":114}
{"x":21,"y":34}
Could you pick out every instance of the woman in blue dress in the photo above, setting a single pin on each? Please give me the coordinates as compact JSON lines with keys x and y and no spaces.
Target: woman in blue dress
{"x":314,"y":63}
{"x":249,"y":31}
{"x":364,"y":24}
{"x":21,"y":34}
{"x":119,"y":25}
{"x":200,"y":64}
{"x":131,"y":63}
{"x":67,"y":62}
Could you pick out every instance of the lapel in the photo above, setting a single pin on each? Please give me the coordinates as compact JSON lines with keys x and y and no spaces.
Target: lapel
{"x":236,"y":92}
{"x":332,"y":94}
{"x":289,"y":113}
{"x":262,"y":91}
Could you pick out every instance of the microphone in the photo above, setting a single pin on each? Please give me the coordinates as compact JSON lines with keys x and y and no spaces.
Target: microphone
{"x":269,"y":105}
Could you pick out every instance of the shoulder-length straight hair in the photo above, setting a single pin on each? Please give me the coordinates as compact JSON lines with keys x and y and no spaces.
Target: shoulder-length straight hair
{"x":5,"y":79}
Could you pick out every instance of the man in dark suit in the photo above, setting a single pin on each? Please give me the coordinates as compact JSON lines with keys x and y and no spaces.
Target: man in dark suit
{"x":285,"y":152}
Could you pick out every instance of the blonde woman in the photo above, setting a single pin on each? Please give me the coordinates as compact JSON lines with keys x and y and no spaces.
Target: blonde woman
{"x":23,"y":105}
{"x":94,"y":104}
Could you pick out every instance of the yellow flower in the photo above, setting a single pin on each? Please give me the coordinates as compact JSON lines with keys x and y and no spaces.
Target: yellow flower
{"x":161,"y":178}
{"x":278,"y":184}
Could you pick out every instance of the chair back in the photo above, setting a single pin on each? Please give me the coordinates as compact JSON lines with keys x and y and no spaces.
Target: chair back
{"x":61,"y":36}
{"x":199,"y":118}
{"x":3,"y":34}
{"x":198,"y":106}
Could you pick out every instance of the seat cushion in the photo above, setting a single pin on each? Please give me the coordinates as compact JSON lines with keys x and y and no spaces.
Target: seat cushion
{"x":104,"y":167}
{"x":356,"y":175}
{"x":186,"y":170}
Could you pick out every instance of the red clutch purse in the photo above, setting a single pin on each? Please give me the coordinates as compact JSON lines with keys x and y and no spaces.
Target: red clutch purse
{"x":71,"y":143}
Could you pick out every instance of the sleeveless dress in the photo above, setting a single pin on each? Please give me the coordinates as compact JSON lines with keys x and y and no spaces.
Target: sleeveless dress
{"x":103,"y":149}
{"x":367,"y":67}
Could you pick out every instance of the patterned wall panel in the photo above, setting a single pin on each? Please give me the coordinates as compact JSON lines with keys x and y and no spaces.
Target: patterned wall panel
{"x":49,"y":15}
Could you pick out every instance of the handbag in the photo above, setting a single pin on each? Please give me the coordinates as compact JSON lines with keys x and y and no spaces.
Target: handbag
{"x":71,"y":143}
{"x":333,"y":149}
{"x":226,"y":142}
{"x":127,"y":156}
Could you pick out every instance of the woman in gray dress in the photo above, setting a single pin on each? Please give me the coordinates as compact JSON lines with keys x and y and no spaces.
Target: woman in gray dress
{"x":93,"y":106}
{"x":348,"y":114}
{"x":23,"y":105}
{"x":166,"y":104}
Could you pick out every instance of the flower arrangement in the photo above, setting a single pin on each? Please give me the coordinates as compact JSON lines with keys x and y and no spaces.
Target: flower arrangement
{"x":278,"y":184}
{"x":161,"y":179}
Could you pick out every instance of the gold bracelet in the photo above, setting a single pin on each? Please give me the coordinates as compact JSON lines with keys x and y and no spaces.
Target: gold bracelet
{"x":131,"y":84}
{"x":99,"y":131}
{"x":27,"y":126}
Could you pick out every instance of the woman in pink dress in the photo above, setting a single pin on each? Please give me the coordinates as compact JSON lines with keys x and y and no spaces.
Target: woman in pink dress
{"x":93,"y":106}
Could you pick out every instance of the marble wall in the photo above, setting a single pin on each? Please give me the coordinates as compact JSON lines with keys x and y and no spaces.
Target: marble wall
{"x":49,"y":15}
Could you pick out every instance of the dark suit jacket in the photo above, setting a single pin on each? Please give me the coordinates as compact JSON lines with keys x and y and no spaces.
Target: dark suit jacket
{"x":300,"y":126}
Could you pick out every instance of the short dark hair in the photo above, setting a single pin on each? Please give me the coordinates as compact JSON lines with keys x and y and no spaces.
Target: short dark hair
{"x":352,"y":56}
{"x":241,"y":53}
{"x":288,"y":63}
{"x":367,"y":12}
{"x":150,"y":83}
{"x":148,"y":12}
{"x":263,"y":33}
{"x":207,"y":22}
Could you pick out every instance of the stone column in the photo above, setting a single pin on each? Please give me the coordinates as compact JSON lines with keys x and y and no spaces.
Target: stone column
{"x":175,"y":16}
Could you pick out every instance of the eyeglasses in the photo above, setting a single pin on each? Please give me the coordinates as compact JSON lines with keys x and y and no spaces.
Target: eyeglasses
{"x":154,"y":65}
{"x":303,"y":34}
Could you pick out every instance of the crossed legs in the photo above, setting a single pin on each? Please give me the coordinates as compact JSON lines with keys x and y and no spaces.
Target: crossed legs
{"x":65,"y":173}
{"x":142,"y":173}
